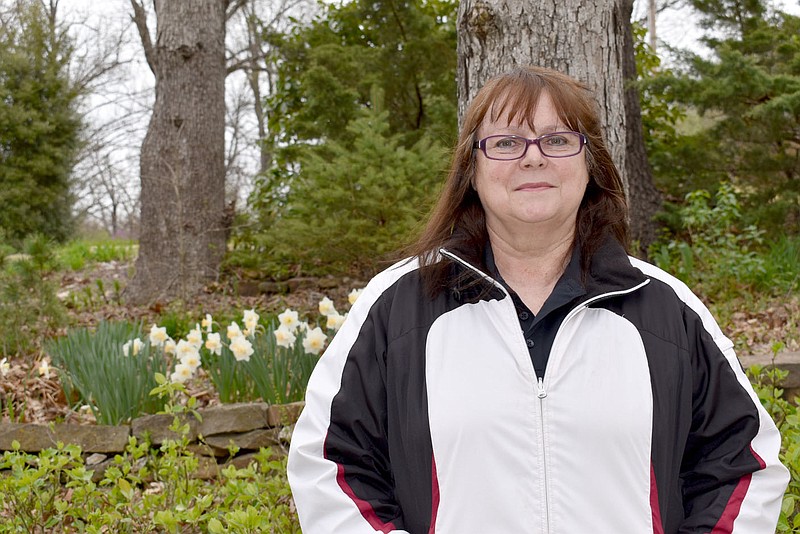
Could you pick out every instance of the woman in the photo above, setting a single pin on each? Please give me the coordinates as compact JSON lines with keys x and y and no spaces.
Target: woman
{"x":522,"y":373}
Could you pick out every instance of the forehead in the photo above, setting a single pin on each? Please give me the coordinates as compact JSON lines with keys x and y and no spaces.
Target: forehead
{"x":530,"y":108}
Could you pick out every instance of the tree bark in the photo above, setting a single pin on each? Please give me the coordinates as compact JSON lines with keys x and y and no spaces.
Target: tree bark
{"x":182,"y":239}
{"x":591,"y":41}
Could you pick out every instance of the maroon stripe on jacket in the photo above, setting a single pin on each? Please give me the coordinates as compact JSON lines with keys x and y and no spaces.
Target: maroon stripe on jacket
{"x":658,"y":526}
{"x":731,"y":512}
{"x":434,"y":495}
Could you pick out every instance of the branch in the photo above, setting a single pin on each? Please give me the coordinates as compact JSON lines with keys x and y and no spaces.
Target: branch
{"x":232,"y":6}
{"x":140,"y":19}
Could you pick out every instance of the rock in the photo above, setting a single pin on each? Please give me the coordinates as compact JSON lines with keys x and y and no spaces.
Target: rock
{"x":156,"y":428}
{"x":273,"y":288}
{"x":90,"y":438}
{"x":233,"y":418}
{"x":284,"y":414}
{"x":253,"y":440}
{"x":301,"y":282}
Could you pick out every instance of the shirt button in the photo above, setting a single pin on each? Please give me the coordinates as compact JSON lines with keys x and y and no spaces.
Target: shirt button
{"x":523,"y":316}
{"x":529,"y":342}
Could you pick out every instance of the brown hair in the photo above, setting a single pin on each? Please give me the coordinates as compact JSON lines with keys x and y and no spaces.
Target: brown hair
{"x":458,"y":222}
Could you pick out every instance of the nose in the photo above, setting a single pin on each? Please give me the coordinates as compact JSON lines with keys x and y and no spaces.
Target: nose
{"x":533,"y":155}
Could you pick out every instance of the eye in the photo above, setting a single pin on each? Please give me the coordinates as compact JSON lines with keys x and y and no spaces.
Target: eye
{"x":555,"y":140}
{"x":506,"y":143}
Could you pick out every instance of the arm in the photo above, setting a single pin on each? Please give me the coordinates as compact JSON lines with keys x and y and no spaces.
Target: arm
{"x":339,"y":468}
{"x":733,"y":481}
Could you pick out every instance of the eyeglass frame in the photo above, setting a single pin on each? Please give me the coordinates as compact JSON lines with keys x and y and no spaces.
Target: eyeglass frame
{"x":528,"y":142}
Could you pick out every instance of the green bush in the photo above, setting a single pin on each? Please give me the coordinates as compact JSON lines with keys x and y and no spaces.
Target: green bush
{"x":95,"y":371}
{"x":766,"y":382}
{"x":143,"y":491}
{"x":29,"y":308}
{"x":713,"y":254}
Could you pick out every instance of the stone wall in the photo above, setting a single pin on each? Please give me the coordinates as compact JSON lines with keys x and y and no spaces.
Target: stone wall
{"x":247,"y":426}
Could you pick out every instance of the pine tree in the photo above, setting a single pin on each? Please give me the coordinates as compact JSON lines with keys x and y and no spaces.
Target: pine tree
{"x":39,"y":124}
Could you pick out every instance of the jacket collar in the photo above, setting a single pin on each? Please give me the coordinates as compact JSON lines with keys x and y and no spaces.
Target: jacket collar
{"x":610,"y":271}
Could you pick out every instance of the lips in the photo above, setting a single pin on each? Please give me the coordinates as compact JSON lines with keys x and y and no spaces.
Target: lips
{"x":534,"y":186}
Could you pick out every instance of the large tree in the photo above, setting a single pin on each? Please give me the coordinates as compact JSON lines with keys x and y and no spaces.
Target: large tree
{"x":182,"y":164}
{"x":591,"y":41}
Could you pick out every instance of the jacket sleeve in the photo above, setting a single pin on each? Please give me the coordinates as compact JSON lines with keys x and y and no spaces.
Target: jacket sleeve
{"x":338,"y":467}
{"x":732,"y":479}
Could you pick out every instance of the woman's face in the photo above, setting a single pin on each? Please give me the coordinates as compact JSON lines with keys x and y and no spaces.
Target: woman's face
{"x":535,"y":191}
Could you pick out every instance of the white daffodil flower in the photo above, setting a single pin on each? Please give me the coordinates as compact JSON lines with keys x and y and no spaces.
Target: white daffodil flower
{"x":132,"y":347}
{"x":314,"y":341}
{"x":5,"y":367}
{"x":241,"y":349}
{"x":335,"y":322}
{"x":250,"y":320}
{"x":207,"y":323}
{"x":214,"y":343}
{"x":44,"y":368}
{"x":284,"y":337}
{"x":289,"y":320}
{"x":158,"y":335}
{"x":326,"y":307}
{"x":191,"y":360}
{"x":353,"y":296}
{"x":184,"y":348}
{"x":170,"y":347}
{"x":182,"y":373}
{"x":234,"y":331}
{"x":195,"y":337}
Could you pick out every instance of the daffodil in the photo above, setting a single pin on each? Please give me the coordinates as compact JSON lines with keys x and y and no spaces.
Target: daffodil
{"x":241,"y":348}
{"x":250,"y":320}
{"x":170,"y":347}
{"x":195,"y":337}
{"x":289,"y":320}
{"x":182,"y":373}
{"x":132,"y":347}
{"x":207,"y":323}
{"x":234,"y":331}
{"x":214,"y":343}
{"x":191,"y":360}
{"x":335,"y":321}
{"x":158,"y":335}
{"x":284,"y":337}
{"x":314,"y":341}
{"x":184,"y":348}
{"x":326,"y":307}
{"x":5,"y":367}
{"x":44,"y":368}
{"x":353,"y":296}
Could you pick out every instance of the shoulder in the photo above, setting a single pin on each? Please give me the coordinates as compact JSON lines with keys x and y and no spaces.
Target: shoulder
{"x":695,"y":308}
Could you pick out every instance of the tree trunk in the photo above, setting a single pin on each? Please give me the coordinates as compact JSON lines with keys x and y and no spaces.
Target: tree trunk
{"x":591,"y":41}
{"x":182,"y":236}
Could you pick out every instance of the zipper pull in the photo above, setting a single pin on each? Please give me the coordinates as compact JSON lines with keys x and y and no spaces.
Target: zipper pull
{"x":541,"y":392}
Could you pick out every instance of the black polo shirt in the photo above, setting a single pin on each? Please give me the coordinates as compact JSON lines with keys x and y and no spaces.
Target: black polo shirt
{"x":540,"y":330}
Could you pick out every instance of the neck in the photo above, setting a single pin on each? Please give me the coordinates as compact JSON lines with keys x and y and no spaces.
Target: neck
{"x":531,"y":270}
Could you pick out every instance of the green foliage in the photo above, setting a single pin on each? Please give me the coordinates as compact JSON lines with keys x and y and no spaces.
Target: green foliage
{"x":76,"y":254}
{"x":354,"y":203}
{"x":715,"y":257}
{"x":143,"y":491}
{"x":40,"y":130}
{"x":766,"y":382}
{"x":363,"y":78}
{"x":748,"y":96}
{"x":95,"y":371}
{"x":29,"y":307}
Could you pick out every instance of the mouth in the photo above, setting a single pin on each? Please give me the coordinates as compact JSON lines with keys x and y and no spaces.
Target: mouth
{"x":534,"y":186}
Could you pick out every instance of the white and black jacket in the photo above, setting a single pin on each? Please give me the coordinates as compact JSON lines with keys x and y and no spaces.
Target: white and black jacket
{"x":425,"y":416}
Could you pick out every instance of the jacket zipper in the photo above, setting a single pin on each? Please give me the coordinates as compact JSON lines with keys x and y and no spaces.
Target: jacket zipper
{"x":541,"y":391}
